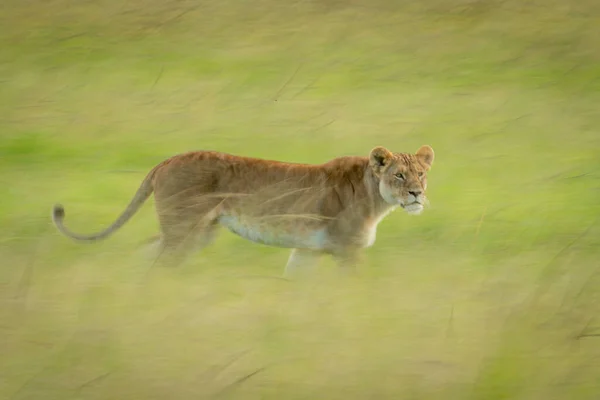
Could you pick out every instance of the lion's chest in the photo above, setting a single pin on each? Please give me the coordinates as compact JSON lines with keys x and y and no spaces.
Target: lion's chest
{"x":276,"y":232}
{"x":370,"y":229}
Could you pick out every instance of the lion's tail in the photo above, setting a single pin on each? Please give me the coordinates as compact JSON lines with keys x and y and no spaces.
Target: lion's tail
{"x":145,"y":190}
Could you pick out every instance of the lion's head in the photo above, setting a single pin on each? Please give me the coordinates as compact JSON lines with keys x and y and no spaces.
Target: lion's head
{"x":402,"y":177}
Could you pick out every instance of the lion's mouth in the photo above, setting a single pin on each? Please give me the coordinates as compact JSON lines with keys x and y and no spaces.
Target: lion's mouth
{"x":403,"y":205}
{"x":414,"y":208}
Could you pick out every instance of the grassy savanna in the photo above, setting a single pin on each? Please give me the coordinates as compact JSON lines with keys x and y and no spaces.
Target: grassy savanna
{"x":492,"y":293}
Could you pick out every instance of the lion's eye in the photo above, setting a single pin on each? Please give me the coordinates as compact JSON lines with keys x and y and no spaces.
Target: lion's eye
{"x":400,"y":176}
{"x":420,"y":174}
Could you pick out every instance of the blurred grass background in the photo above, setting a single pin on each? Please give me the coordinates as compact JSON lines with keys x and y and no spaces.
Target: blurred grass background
{"x":493,"y":293}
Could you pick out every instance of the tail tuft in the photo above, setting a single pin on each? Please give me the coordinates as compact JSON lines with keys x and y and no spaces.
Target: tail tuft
{"x":58,"y":212}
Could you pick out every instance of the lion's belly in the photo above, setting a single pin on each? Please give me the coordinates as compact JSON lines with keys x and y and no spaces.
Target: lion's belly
{"x":289,"y":234}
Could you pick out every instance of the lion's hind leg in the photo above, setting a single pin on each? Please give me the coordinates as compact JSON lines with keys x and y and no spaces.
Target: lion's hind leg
{"x":150,"y":248}
{"x":183,"y":232}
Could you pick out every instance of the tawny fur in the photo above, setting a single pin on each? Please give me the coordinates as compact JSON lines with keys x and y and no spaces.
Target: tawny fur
{"x":331,"y":208}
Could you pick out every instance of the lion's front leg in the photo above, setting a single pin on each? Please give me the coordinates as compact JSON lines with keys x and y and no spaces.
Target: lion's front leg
{"x":301,"y":260}
{"x":347,"y":260}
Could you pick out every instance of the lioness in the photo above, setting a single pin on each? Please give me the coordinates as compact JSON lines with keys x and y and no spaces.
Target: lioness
{"x":331,"y":208}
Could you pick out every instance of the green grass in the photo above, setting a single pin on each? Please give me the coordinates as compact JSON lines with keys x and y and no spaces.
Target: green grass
{"x":493,"y":293}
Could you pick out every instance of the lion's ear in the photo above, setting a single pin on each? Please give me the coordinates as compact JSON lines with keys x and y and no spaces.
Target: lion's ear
{"x":379,"y":158}
{"x":426,"y":155}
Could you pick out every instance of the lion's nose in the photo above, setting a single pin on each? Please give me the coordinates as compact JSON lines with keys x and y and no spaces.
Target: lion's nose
{"x":415,"y":193}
